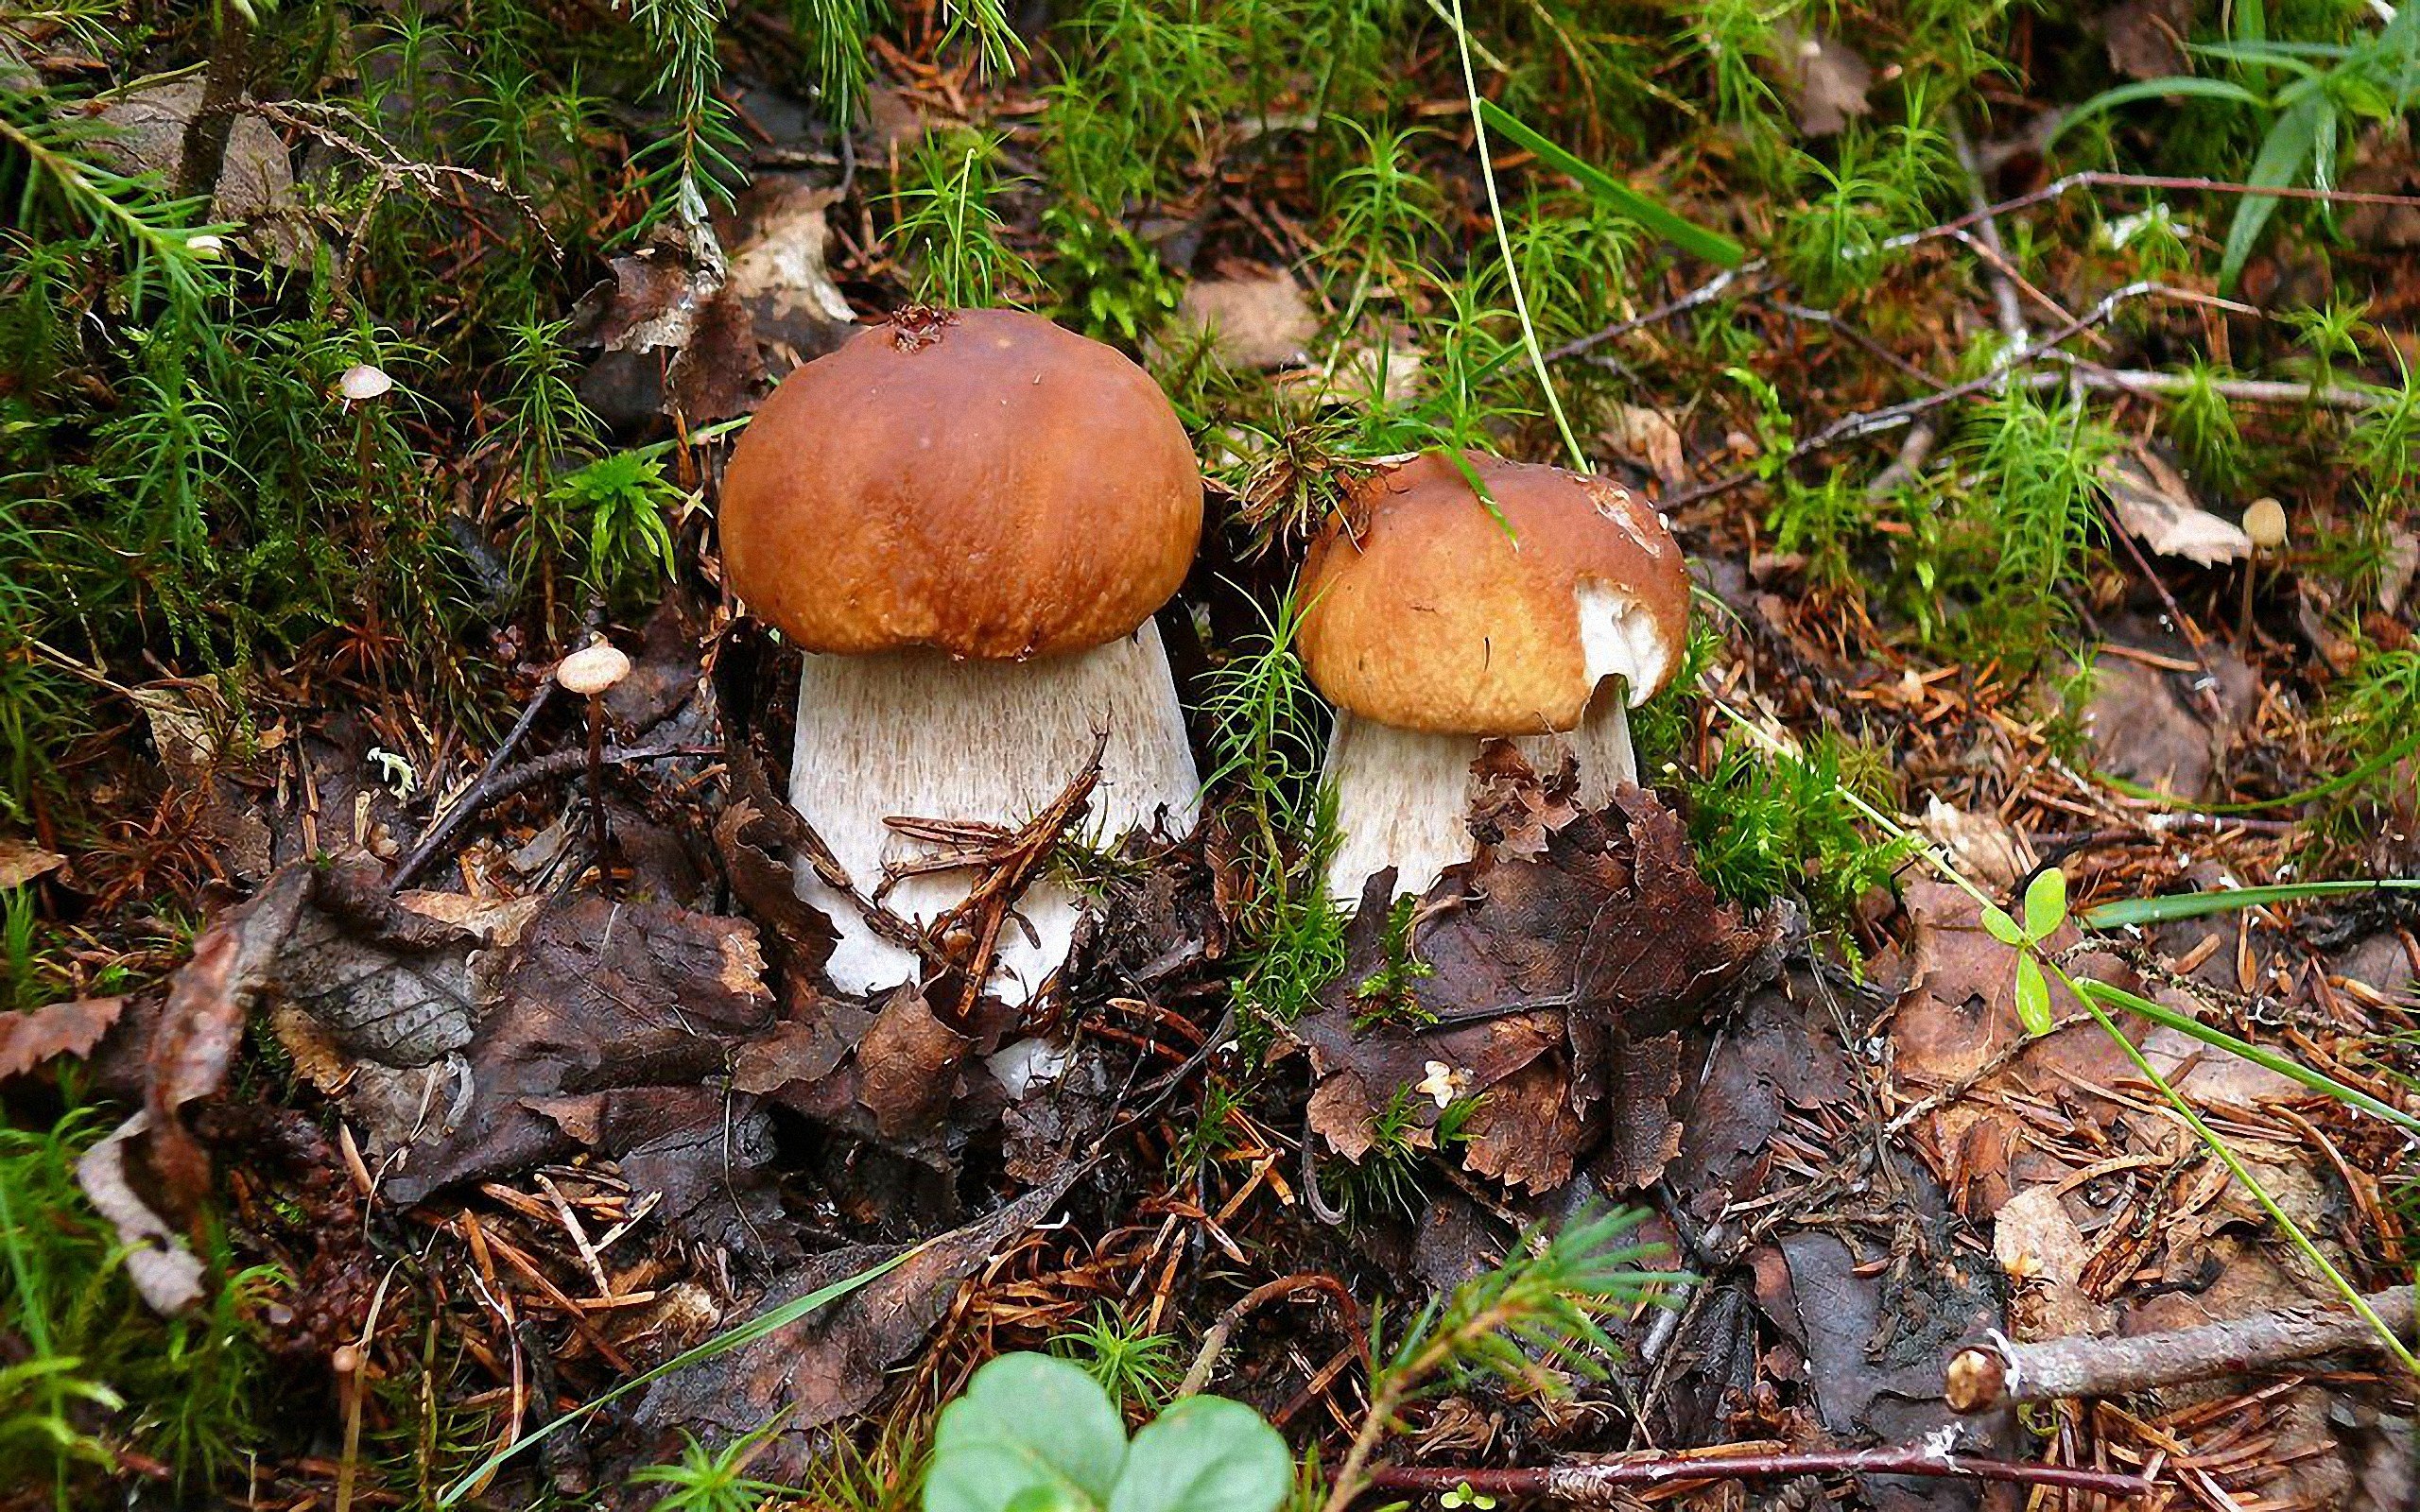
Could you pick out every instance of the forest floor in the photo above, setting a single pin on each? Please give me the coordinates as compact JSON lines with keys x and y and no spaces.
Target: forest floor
{"x":2014,"y":948}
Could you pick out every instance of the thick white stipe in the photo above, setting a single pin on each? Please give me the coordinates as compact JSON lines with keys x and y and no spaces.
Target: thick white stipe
{"x":1403,"y":799}
{"x":917,"y":734}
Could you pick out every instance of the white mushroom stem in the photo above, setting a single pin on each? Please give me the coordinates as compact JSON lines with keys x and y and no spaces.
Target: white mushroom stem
{"x":1403,"y":797}
{"x":919,"y":734}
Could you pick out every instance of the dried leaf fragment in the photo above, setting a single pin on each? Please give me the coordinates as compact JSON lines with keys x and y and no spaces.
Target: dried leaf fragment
{"x":21,"y":861}
{"x":37,"y":1035}
{"x":194,"y":1045}
{"x":166,"y":1273}
{"x":1259,"y":322}
{"x":2155,"y":504}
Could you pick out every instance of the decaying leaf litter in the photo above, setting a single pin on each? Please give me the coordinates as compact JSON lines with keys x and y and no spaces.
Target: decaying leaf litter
{"x":554,"y":1112}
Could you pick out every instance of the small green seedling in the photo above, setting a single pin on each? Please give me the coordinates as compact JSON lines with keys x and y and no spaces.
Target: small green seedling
{"x":1038,"y":1434}
{"x":2046,"y":909}
{"x":1461,"y":1495}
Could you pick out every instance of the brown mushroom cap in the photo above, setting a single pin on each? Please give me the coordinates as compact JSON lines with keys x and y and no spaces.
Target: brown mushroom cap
{"x":979,"y":481}
{"x":1430,"y":617}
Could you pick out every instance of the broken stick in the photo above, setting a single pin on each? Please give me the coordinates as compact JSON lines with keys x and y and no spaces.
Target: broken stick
{"x":1987,"y":1375}
{"x":1600,"y":1482}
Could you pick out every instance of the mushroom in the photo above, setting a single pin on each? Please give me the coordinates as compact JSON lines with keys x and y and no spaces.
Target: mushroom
{"x":1434,"y":627}
{"x":2264,"y":525}
{"x":362,"y":383}
{"x":965,"y":520}
{"x":588,"y":673}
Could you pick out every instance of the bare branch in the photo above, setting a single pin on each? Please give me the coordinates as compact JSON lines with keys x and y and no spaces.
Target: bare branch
{"x":1599,"y":1483}
{"x":1985,"y":1376}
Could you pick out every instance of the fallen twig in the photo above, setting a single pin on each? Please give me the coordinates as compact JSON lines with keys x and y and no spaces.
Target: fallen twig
{"x":1214,"y":1343}
{"x":1868,"y":422}
{"x":1754,"y":278}
{"x":2243,"y":390}
{"x":2095,"y":179}
{"x":2003,"y":1370}
{"x":1985,"y":240}
{"x":1009,"y":860}
{"x":527,"y":775}
{"x":474,"y":796}
{"x":1706,"y":293}
{"x":390,"y":164}
{"x":1596,"y":1482}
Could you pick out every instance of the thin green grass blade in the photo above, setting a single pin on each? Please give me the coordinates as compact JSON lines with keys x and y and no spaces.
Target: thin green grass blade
{"x":2217,"y":1145}
{"x":2173,"y":906}
{"x":2317,"y":1081}
{"x":2154,"y":89}
{"x":2334,"y":785}
{"x":1686,"y":233}
{"x":2284,"y":152}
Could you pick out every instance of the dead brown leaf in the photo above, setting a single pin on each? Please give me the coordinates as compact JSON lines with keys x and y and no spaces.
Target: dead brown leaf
{"x":30,"y":1037}
{"x":21,"y":861}
{"x":2044,"y":1255}
{"x":2155,"y":724}
{"x":1647,"y":437}
{"x":1957,"y":1017}
{"x":908,"y":1063}
{"x":165,"y":1272}
{"x":1524,"y":1132}
{"x":752,"y":834}
{"x":1986,"y":849}
{"x":1874,"y":1338}
{"x":2147,"y":38}
{"x":395,"y":980}
{"x":1513,"y":809}
{"x":2154,"y":503}
{"x":1646,"y":1135}
{"x":1571,"y":963}
{"x":633,"y":1006}
{"x":1255,"y":322}
{"x":193,"y":1045}
{"x":830,"y":1365}
{"x":778,"y":271}
{"x":1772,"y":1065}
{"x":192,"y":726}
{"x":675,"y":340}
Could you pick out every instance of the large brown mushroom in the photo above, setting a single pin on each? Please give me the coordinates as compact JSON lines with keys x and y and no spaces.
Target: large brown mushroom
{"x":965,"y":520}
{"x":1434,"y":626}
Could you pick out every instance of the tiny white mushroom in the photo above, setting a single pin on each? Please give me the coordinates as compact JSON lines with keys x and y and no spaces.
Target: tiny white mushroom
{"x":362,"y":383}
{"x":2264,"y":525}
{"x":589,"y":672}
{"x":2264,"y":521}
{"x":592,"y":669}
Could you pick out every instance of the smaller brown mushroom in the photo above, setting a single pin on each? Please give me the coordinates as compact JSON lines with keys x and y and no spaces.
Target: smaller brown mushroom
{"x":1436,"y":624}
{"x":588,"y":673}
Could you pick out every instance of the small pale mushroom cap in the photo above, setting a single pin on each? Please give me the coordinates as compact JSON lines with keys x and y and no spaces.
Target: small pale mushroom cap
{"x":2265,"y":522}
{"x":981,"y":482}
{"x":592,"y":669}
{"x":362,"y":381}
{"x":1431,"y":616}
